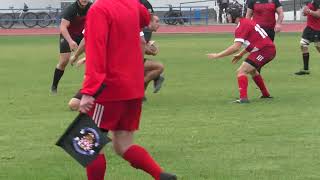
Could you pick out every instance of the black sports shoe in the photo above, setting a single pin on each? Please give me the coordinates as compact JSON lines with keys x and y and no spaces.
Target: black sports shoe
{"x":266,"y":97}
{"x":167,"y":176}
{"x":54,"y":90}
{"x":302,"y":72}
{"x":241,"y":101}
{"x":157,"y":84}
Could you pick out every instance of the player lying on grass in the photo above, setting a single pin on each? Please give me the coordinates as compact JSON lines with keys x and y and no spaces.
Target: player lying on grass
{"x":260,"y":47}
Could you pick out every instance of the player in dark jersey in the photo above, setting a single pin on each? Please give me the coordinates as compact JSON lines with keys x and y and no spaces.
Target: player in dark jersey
{"x":256,"y":41}
{"x":311,"y":33}
{"x":263,"y":13}
{"x":71,"y":27}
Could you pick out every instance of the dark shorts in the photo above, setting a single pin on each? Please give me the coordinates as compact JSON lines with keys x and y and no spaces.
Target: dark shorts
{"x":64,"y":45}
{"x":117,"y":115}
{"x":271,"y":33}
{"x":260,"y":58}
{"x":309,"y":35}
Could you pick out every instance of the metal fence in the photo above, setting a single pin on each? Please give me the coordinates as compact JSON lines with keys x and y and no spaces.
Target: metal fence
{"x":184,"y":14}
{"x":21,"y":18}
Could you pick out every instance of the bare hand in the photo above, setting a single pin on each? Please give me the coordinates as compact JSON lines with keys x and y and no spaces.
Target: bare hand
{"x":86,"y":103}
{"x":236,"y":58}
{"x":80,"y":62}
{"x":73,"y":46}
{"x":212,"y":56}
{"x":277,"y":28}
{"x":73,"y":59}
{"x":306,"y":10}
{"x":151,"y":48}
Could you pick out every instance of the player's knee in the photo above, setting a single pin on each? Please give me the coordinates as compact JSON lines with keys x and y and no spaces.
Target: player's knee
{"x":304,"y":44}
{"x":74,"y":104}
{"x":122,"y":140}
{"x":161,"y":67}
{"x":240,"y":71}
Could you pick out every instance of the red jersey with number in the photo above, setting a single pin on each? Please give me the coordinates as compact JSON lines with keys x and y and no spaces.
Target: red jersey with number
{"x":312,"y":21}
{"x":251,"y":35}
{"x":264,"y":12}
{"x":113,"y":52}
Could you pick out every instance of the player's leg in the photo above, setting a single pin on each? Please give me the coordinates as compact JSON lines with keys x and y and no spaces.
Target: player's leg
{"x":63,"y":61}
{"x":304,"y":44}
{"x":157,"y":83}
{"x":96,"y":169}
{"x":220,"y":13}
{"x":242,"y":73}
{"x":153,"y":70}
{"x":317,"y":41}
{"x":124,"y":118}
{"x":74,"y":102}
{"x":257,"y":60}
{"x":257,"y":78}
{"x":59,"y":71}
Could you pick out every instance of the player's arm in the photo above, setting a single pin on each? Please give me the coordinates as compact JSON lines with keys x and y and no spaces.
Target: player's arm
{"x":230,"y":50}
{"x":97,"y":27}
{"x":238,"y":56}
{"x":279,"y":11}
{"x":78,"y":52}
{"x":151,"y":48}
{"x":67,"y":16}
{"x":315,"y":13}
{"x":143,"y":43}
{"x":64,"y":30}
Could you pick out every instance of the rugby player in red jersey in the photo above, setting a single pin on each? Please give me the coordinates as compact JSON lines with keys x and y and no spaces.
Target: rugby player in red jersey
{"x":114,"y":61}
{"x":72,"y":24}
{"x":263,"y":13}
{"x":311,"y":33}
{"x":260,"y":47}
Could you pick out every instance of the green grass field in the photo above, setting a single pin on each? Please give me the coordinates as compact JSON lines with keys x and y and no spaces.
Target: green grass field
{"x":191,"y":127}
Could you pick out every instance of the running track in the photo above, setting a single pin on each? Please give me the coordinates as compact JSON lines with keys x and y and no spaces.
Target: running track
{"x":292,"y":27}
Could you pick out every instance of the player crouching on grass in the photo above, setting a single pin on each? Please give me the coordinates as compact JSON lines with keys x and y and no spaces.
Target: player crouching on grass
{"x":257,"y":43}
{"x":152,"y":69}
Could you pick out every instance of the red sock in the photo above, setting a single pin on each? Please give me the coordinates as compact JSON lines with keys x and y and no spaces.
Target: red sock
{"x":97,"y":168}
{"x":259,"y":82}
{"x":139,"y":158}
{"x":243,"y":86}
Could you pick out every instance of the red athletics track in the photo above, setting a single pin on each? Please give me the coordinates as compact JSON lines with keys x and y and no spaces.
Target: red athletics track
{"x":292,"y":27}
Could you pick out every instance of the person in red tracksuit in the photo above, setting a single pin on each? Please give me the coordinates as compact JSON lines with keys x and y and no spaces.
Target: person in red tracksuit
{"x":114,"y":61}
{"x":256,"y":42}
